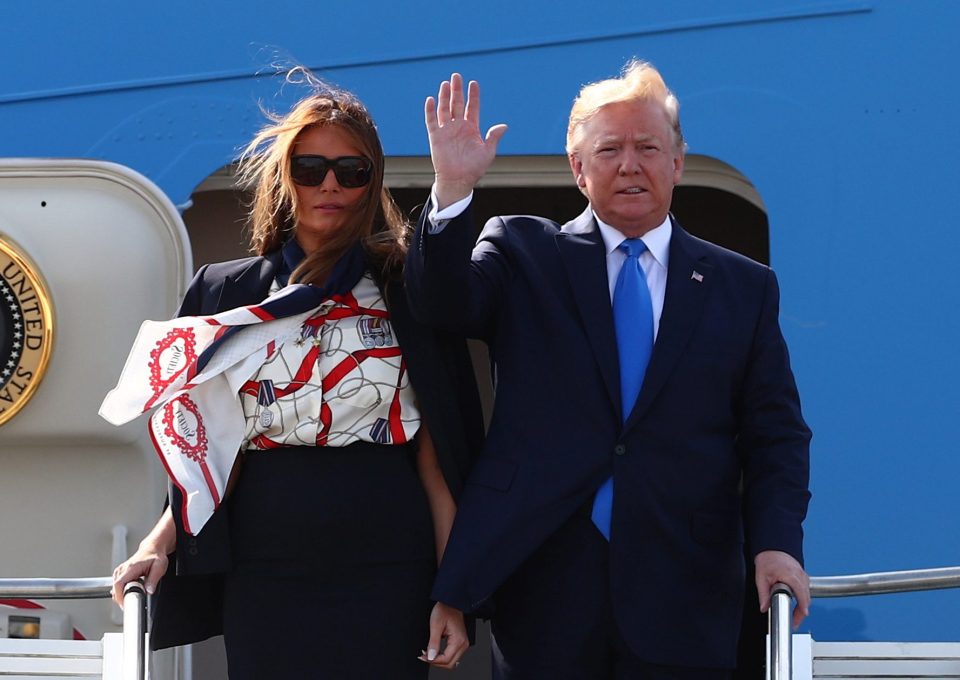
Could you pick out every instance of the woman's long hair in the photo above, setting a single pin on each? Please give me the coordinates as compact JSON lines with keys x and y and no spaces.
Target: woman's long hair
{"x":377,"y":223}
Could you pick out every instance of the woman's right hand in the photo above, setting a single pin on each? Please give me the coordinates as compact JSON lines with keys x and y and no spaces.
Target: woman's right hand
{"x":148,"y":563}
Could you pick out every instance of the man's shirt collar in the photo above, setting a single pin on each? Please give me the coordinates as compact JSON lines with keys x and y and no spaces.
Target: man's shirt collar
{"x":657,"y":239}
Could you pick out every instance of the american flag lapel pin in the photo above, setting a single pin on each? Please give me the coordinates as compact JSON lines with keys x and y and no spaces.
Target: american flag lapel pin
{"x":697,"y":276}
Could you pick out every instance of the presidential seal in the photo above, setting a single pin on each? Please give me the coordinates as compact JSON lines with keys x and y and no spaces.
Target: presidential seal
{"x":26,"y":330}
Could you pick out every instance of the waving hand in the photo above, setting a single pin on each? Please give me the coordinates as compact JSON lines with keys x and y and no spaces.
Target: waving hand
{"x":460,"y":155}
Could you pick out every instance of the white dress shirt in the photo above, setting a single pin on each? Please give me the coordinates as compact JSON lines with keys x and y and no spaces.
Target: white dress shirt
{"x":654,"y":261}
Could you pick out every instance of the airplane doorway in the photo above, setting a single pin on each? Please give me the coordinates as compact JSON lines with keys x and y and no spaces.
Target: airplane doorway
{"x":714,"y":202}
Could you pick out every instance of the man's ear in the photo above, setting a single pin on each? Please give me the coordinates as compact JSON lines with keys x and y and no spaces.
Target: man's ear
{"x":576,"y":166}
{"x":678,"y":167}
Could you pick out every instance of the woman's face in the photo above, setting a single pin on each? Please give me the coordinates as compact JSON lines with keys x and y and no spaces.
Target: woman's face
{"x":325,"y":208}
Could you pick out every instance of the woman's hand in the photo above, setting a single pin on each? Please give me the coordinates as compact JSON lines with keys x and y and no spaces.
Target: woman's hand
{"x":446,"y":623}
{"x":148,"y":563}
{"x":460,"y":155}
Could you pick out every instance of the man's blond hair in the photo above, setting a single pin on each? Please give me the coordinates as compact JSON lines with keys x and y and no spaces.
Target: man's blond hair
{"x":638,"y":80}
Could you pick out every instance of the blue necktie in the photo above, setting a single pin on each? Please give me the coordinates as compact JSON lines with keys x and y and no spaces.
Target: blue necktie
{"x":633,"y":321}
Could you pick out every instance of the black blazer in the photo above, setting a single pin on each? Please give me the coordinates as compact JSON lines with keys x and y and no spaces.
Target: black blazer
{"x":188,"y":604}
{"x":718,"y":404}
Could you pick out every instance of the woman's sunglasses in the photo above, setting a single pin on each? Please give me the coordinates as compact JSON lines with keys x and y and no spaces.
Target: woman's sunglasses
{"x":351,"y":172}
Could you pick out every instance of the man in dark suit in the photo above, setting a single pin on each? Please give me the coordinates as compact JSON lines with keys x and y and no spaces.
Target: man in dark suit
{"x":603,"y":526}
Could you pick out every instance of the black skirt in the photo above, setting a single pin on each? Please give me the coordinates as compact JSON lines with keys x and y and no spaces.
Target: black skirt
{"x":333,"y":562}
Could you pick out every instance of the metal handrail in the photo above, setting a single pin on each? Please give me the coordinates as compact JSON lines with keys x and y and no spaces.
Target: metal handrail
{"x":134,"y":609}
{"x":134,"y":632}
{"x":877,"y":583}
{"x":885,"y":582}
{"x":781,"y":640}
{"x":57,"y":588}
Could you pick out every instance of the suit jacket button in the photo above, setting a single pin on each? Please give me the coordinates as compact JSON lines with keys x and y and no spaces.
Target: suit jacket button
{"x":619,"y":449}
{"x":192,"y":550}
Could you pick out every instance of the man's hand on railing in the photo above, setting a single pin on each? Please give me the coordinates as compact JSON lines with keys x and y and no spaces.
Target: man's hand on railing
{"x":774,"y":566}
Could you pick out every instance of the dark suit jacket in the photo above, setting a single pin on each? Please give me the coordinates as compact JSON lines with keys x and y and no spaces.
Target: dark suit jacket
{"x":187,"y":607}
{"x":718,"y":404}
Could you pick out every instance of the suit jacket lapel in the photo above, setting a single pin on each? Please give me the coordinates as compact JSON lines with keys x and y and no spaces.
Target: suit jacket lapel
{"x":584,"y":257}
{"x":682,"y":307}
{"x":251,"y":285}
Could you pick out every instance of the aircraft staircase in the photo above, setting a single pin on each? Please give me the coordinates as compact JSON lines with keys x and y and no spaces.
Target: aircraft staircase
{"x":793,"y":656}
{"x":117,"y":656}
{"x":790,"y":656}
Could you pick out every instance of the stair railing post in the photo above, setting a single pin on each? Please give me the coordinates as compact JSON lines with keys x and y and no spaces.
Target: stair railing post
{"x":134,"y":631}
{"x":781,"y":640}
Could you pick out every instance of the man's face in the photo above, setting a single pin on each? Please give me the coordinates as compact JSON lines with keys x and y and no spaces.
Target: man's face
{"x":628,"y":163}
